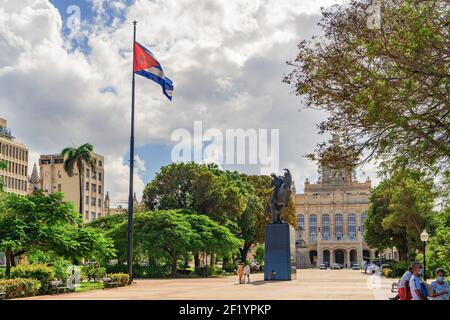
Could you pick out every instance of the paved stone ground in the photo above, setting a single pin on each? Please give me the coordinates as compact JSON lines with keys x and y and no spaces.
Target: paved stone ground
{"x":311,"y":284}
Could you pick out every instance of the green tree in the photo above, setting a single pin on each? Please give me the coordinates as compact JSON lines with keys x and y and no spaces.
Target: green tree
{"x":195,"y":187}
{"x":76,"y":158}
{"x":385,"y":89}
{"x":173,"y":234}
{"x":401,"y":207}
{"x":438,"y":245}
{"x":47,"y":223}
{"x":200,"y":188}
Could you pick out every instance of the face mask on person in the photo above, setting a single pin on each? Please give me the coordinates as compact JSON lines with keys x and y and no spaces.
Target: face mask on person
{"x":440,"y":278}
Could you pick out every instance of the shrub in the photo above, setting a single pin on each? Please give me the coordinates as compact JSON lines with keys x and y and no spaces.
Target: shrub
{"x":93,"y":271}
{"x":200,"y":271}
{"x":60,"y":267}
{"x":153,"y":270}
{"x":123,"y":278}
{"x":39,"y":271}
{"x":230,"y":267}
{"x":387,"y":272}
{"x":20,"y":287}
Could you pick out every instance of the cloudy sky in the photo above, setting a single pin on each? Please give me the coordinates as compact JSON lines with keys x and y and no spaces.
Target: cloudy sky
{"x":63,"y":82}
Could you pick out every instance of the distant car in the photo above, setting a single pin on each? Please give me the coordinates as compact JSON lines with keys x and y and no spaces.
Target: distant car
{"x":322,"y":266}
{"x":341,"y":266}
{"x":335,"y":266}
{"x":355,"y":266}
{"x":372,"y":268}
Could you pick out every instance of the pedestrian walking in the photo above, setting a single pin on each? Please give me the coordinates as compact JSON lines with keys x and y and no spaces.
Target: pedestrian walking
{"x":240,"y":272}
{"x":247,"y":273}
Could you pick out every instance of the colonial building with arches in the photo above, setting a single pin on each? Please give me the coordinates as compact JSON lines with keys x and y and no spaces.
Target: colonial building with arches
{"x":330,"y":220}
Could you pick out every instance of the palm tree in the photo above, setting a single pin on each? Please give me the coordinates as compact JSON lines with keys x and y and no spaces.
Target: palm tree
{"x":78,"y":157}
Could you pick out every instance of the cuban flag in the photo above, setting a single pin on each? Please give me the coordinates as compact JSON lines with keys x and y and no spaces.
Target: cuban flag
{"x":146,"y":65}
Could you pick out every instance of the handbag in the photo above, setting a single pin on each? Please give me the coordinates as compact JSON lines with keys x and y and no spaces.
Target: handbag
{"x":424,"y":289}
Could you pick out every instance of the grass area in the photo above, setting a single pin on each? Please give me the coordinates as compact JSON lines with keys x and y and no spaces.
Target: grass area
{"x":88,"y":286}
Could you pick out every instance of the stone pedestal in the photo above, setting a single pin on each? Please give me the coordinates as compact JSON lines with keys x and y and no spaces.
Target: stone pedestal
{"x":280,"y":253}
{"x":303,"y":260}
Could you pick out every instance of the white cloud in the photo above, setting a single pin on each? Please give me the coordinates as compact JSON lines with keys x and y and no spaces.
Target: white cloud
{"x":226,"y":59}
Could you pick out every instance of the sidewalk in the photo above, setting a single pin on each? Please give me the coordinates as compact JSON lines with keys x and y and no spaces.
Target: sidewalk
{"x":312,"y":284}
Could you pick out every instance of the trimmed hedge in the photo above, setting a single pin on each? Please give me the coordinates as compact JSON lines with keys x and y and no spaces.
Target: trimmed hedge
{"x":20,"y":287}
{"x":122,"y":278}
{"x":39,"y":271}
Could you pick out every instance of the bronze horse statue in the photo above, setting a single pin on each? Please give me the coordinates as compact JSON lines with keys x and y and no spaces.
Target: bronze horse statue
{"x":280,"y":195}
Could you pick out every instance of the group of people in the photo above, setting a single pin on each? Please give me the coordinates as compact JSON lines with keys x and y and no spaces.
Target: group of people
{"x":243,"y":272}
{"x":411,"y":287}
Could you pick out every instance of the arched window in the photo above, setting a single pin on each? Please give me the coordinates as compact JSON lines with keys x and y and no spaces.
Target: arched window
{"x":352,"y":226}
{"x":338,"y":226}
{"x":300,"y":221}
{"x":326,"y":227}
{"x":312,"y":228}
{"x":363,"y":219}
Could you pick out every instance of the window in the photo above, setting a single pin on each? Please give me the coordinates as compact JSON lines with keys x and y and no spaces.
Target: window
{"x":338,"y":226}
{"x":352,"y":226}
{"x":312,"y":228}
{"x":88,"y":173}
{"x":99,"y":176}
{"x":100,"y":163}
{"x":300,"y":221}
{"x":59,"y":187}
{"x":86,"y":200}
{"x":363,"y":219}
{"x":93,"y":201}
{"x":326,"y":227}
{"x":100,"y":189}
{"x":94,"y":174}
{"x":94,"y":187}
{"x":100,"y":203}
{"x":87,"y":186}
{"x":92,"y":216}
{"x":86,"y":215}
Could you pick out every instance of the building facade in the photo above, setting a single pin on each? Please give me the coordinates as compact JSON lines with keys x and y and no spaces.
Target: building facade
{"x":15,"y":177}
{"x":330,"y":220}
{"x":55,"y":179}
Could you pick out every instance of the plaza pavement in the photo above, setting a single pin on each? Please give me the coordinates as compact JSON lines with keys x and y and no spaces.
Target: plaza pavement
{"x":311,"y":284}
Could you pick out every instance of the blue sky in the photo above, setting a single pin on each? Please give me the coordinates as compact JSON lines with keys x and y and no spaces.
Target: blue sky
{"x":154,"y":155}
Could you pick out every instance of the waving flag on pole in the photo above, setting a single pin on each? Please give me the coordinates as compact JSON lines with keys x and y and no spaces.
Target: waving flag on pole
{"x":146,"y":65}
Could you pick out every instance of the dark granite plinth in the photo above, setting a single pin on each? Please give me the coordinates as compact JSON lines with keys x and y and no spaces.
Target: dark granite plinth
{"x":279,"y":255}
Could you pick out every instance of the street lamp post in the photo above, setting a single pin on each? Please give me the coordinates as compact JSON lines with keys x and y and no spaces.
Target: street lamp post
{"x":424,"y":238}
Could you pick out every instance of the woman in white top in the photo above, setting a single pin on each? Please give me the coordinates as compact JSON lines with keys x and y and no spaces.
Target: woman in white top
{"x":415,"y":283}
{"x":440,"y":287}
{"x":247,"y":273}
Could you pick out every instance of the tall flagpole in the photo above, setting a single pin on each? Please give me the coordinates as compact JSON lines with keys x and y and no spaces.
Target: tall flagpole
{"x":130,"y":196}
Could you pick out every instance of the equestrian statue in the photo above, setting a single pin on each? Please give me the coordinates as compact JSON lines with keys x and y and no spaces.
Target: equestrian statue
{"x":280,"y":195}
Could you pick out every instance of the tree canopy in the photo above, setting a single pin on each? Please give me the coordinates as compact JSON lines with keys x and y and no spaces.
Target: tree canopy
{"x":47,"y":223}
{"x":235,"y":200}
{"x":402,"y":205}
{"x":385,"y":88}
{"x":171,"y":234}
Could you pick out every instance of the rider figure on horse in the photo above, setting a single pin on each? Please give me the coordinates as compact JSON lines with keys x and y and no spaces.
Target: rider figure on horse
{"x":280,"y":195}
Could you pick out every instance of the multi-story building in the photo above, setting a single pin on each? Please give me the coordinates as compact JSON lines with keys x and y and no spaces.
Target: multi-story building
{"x":330,"y":219}
{"x":15,"y":155}
{"x":55,"y":179}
